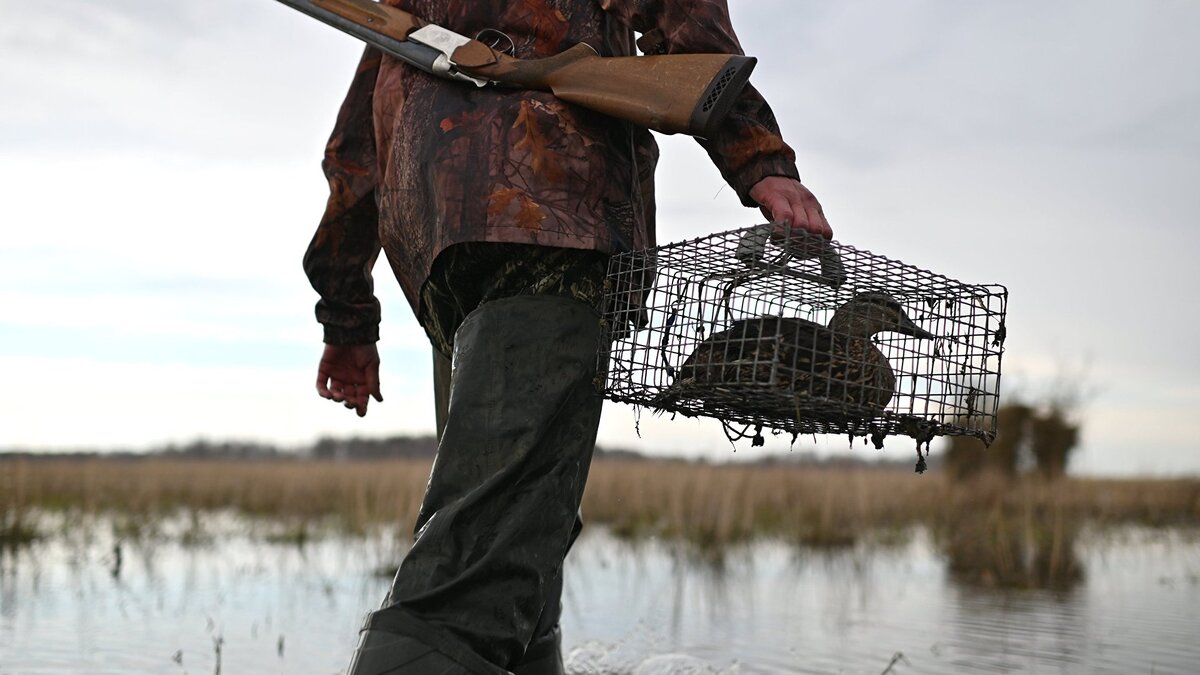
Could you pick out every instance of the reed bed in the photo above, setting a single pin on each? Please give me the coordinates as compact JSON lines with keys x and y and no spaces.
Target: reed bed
{"x":354,"y":494}
{"x":991,"y":530}
{"x":702,"y":502}
{"x":717,"y":504}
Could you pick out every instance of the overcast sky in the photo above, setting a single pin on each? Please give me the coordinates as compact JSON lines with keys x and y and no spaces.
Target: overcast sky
{"x":160,"y":180}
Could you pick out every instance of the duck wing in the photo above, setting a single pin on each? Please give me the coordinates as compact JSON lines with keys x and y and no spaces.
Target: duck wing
{"x":709,"y":359}
{"x":758,"y":340}
{"x":790,"y":366}
{"x":858,"y":374}
{"x":806,"y":353}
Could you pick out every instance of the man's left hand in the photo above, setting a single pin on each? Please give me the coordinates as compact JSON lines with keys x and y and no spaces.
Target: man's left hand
{"x":784,"y":201}
{"x":349,"y":374}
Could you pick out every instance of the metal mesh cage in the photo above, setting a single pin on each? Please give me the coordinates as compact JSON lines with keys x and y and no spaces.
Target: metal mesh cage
{"x":791,"y":332}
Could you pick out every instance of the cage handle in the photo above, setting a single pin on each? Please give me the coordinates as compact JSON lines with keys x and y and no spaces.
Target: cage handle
{"x":800,"y":245}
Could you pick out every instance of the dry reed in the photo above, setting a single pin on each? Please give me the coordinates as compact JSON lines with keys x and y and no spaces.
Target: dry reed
{"x":715,"y":504}
{"x":356,"y":494}
{"x":707,"y":504}
{"x":991,"y":529}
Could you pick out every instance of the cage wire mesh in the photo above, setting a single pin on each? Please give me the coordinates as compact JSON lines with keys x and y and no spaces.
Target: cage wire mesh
{"x":761,"y":328}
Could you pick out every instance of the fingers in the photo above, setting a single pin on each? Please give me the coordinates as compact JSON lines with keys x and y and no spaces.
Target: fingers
{"x":326,"y":367}
{"x":351,"y":395}
{"x":349,"y":374}
{"x":357,"y":399}
{"x":330,"y":386}
{"x":787,"y":203}
{"x":360,"y":393}
{"x":815,"y":215}
{"x":372,"y":388}
{"x":779,"y":210}
{"x":323,"y":378}
{"x":357,"y":402}
{"x":805,"y":213}
{"x":323,"y":384}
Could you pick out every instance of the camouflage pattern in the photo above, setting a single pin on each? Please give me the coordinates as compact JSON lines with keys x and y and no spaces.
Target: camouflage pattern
{"x":417,"y":164}
{"x":467,"y":275}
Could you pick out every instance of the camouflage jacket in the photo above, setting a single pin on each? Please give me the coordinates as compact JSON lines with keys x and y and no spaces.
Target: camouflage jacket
{"x":416,"y":164}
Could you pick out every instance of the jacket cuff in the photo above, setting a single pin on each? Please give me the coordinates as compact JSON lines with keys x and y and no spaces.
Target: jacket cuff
{"x":358,"y":335}
{"x":749,"y":176}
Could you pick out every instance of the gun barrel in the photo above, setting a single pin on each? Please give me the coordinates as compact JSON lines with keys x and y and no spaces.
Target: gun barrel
{"x":679,"y":93}
{"x":412,"y":53}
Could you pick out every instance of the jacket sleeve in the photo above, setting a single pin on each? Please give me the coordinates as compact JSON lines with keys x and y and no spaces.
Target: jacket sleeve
{"x":343,"y":250}
{"x":748,"y":146}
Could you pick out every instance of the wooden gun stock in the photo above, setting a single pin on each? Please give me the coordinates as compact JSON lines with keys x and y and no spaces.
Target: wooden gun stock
{"x":676,"y":93}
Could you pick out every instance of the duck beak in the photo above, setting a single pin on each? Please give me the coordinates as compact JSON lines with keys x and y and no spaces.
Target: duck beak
{"x":907,"y":327}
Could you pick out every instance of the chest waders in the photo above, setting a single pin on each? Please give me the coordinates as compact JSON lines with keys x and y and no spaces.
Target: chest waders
{"x":479,"y":592}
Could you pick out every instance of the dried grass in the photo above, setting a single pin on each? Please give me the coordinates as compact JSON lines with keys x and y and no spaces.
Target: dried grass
{"x":705,"y":504}
{"x":356,"y":494}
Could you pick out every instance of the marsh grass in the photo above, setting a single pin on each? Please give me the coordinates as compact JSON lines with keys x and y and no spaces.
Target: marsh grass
{"x":17,"y":529}
{"x":354,"y":494}
{"x":992,"y":530}
{"x":720,"y":504}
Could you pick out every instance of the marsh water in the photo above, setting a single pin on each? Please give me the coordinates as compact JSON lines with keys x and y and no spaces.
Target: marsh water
{"x":221,"y":595}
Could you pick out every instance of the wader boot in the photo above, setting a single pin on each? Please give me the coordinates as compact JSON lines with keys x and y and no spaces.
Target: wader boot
{"x":381,"y":653}
{"x":481,"y":585}
{"x":543,"y":656}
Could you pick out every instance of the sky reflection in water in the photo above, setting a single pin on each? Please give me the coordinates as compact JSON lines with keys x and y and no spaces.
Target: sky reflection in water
{"x":645,"y":607}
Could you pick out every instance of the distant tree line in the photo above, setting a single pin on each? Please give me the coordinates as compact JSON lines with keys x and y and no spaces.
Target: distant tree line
{"x":425,"y":447}
{"x":327,"y":448}
{"x":393,"y":447}
{"x":205,"y":449}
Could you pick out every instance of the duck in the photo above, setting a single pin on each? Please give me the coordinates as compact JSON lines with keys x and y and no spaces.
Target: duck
{"x":826,"y":371}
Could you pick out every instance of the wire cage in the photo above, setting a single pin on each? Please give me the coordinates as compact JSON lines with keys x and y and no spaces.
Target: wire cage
{"x":762,"y":327}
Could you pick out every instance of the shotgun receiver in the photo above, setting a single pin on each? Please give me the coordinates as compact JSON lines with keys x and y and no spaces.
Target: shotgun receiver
{"x":675,"y":93}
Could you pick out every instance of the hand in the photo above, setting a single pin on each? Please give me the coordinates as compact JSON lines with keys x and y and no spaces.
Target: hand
{"x":784,"y":201}
{"x":349,"y":374}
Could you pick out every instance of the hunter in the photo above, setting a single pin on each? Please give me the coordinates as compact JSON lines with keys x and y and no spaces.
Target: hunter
{"x":497,"y":210}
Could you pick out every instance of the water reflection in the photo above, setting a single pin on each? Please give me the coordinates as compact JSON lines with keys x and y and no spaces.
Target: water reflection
{"x":995,"y":549}
{"x":179,"y":607}
{"x":260,"y":605}
{"x":762,"y":609}
{"x":773,"y":608}
{"x":1004,"y":632}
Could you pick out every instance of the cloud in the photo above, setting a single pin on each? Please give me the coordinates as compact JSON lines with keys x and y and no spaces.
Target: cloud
{"x":87,"y":403}
{"x":217,"y":79}
{"x":160,"y":164}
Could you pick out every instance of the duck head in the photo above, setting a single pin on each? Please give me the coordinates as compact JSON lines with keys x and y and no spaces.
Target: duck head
{"x":869,"y":313}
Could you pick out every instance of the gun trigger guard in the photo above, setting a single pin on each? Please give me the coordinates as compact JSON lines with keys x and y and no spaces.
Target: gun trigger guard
{"x":493,"y":38}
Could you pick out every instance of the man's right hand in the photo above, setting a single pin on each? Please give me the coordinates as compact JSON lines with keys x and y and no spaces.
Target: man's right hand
{"x":349,"y":374}
{"x":787,"y":203}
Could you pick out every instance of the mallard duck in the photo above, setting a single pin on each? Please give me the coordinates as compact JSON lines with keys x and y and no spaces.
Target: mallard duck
{"x":837,"y":364}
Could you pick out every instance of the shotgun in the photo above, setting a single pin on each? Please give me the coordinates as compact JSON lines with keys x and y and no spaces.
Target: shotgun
{"x":670,"y":93}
